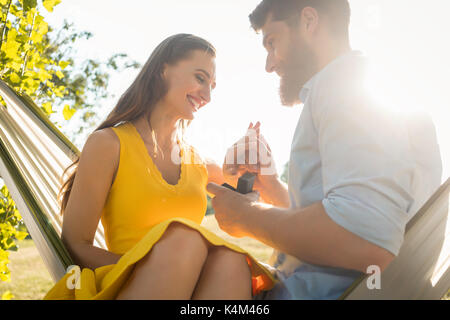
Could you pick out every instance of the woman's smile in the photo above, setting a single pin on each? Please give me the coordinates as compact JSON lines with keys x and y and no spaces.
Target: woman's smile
{"x":194,"y":103}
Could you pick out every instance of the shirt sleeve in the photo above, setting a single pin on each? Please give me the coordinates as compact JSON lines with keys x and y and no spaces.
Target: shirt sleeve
{"x":366,"y":170}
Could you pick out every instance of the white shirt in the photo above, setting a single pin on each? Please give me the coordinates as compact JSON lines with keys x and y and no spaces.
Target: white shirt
{"x":371,"y":167}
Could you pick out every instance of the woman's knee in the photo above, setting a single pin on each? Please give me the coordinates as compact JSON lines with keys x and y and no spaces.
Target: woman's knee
{"x":180,"y":243}
{"x":183,"y":237}
{"x":230,"y":261}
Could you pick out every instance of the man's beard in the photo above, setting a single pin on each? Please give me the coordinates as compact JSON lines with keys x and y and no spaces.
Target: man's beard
{"x":300,"y":65}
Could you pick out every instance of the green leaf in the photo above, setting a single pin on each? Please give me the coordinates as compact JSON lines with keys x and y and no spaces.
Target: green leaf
{"x":48,"y":107}
{"x":59,"y":74}
{"x":64,"y":64}
{"x":44,"y":75}
{"x":16,"y":66}
{"x":29,"y":4}
{"x":49,"y":4}
{"x":20,"y":235}
{"x":68,"y":112}
{"x":7,"y":295}
{"x":30,"y":17}
{"x":12,"y":46}
{"x":43,"y":28}
{"x":14,"y":78}
{"x":6,"y":276}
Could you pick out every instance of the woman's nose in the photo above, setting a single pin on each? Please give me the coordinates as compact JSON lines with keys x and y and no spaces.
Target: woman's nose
{"x":206,"y":95}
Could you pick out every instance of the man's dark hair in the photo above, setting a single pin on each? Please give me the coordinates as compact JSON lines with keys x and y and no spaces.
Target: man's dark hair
{"x":337,"y":11}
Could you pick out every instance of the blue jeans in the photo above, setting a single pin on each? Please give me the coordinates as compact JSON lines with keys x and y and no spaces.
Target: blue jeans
{"x":310,"y":282}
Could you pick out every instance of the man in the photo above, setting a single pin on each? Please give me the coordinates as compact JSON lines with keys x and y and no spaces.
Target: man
{"x":357,"y":172}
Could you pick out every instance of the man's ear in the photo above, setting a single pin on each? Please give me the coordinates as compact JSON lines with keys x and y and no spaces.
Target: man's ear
{"x":309,"y":19}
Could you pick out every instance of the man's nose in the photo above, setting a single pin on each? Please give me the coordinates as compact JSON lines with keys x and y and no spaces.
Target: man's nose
{"x":270,"y":66}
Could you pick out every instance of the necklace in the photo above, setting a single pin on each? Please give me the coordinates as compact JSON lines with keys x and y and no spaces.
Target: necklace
{"x":155,"y":144}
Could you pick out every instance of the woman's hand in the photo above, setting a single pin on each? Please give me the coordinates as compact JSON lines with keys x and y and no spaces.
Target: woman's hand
{"x":250,"y":153}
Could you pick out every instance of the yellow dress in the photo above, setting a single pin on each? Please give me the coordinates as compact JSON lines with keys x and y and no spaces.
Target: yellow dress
{"x":139,"y":208}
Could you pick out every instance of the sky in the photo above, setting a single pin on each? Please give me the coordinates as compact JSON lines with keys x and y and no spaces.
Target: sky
{"x":407,"y":41}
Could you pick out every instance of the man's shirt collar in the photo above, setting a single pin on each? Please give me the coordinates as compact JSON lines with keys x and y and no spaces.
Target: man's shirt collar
{"x":306,"y":89}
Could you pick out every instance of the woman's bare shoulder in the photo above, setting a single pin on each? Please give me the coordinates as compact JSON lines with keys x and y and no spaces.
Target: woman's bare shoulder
{"x":101,"y":145}
{"x":104,"y":138}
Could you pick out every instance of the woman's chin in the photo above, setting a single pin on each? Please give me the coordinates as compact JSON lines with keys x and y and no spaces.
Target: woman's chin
{"x":188,"y":113}
{"x":189,"y":116}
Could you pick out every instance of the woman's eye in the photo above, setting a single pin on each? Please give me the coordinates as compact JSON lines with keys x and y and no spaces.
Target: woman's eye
{"x":270,"y":43}
{"x":200,"y":79}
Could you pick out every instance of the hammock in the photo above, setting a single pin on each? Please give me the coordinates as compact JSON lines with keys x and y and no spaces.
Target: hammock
{"x":34,"y":154}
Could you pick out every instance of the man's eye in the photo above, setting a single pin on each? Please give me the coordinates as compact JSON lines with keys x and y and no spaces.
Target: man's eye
{"x":270,"y":43}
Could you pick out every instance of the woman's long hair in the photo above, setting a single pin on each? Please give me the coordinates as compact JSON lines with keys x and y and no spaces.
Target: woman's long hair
{"x":146,"y":90}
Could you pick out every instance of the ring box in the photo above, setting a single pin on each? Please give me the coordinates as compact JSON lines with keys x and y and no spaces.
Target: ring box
{"x":245,"y":183}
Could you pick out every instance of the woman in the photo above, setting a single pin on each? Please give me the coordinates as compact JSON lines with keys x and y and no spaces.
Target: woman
{"x":148,"y":187}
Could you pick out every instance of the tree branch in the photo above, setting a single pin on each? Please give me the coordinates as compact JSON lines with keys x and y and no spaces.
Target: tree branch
{"x":4,"y":24}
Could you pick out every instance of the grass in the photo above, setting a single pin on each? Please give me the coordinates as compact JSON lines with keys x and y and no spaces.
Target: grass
{"x":30,"y":279}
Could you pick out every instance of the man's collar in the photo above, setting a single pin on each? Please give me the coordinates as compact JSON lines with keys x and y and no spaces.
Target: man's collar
{"x":304,"y":92}
{"x":306,"y":89}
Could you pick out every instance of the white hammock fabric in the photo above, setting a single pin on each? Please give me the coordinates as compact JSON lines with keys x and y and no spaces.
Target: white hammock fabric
{"x":34,"y":153}
{"x":33,"y":156}
{"x":421,"y":270}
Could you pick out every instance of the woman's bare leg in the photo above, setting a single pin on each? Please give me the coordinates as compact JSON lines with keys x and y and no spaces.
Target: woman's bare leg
{"x":225,"y":275}
{"x":171,"y":269}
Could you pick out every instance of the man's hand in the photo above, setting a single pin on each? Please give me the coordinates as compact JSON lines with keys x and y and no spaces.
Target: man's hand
{"x":231,"y":207}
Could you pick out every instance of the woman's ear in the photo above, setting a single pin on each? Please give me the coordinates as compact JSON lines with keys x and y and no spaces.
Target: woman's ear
{"x":165,"y":71}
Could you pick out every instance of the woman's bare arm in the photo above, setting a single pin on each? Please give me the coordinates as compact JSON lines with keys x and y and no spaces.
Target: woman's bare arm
{"x":214,"y":172}
{"x":96,"y":169}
